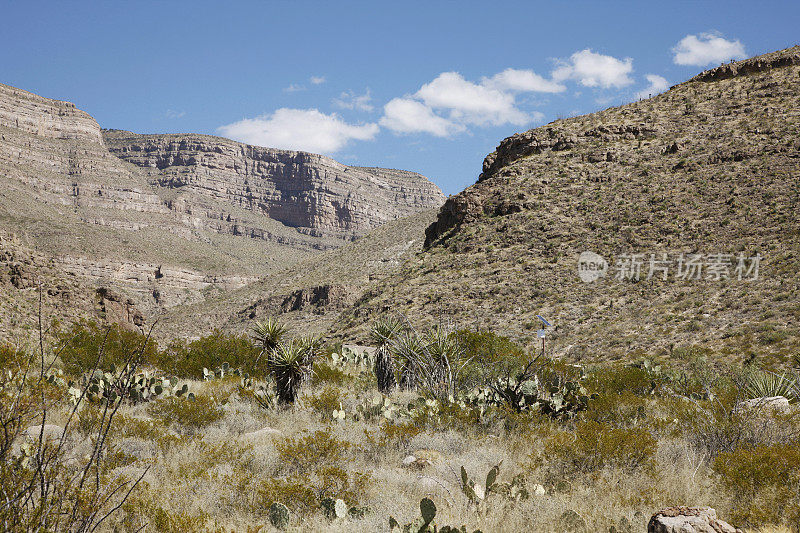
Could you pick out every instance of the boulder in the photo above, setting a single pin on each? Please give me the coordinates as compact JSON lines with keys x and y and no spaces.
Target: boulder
{"x":538,"y":490}
{"x":689,"y":520}
{"x":777,"y":404}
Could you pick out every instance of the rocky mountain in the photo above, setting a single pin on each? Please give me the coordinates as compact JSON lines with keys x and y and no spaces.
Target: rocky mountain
{"x":171,"y":219}
{"x":646,"y":228}
{"x":309,"y":295}
{"x":313,"y":194}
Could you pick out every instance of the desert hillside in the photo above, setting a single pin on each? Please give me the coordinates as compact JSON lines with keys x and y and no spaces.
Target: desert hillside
{"x":165,"y":220}
{"x":710,"y":167}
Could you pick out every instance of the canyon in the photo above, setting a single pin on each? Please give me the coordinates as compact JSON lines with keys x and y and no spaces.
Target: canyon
{"x":166,"y":220}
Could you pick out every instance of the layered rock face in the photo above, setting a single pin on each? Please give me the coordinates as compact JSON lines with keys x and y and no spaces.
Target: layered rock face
{"x":57,"y":150}
{"x":164,"y":219}
{"x":313,"y":193}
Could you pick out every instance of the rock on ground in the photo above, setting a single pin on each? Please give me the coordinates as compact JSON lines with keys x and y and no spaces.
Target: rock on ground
{"x":689,"y":520}
{"x":775,"y":403}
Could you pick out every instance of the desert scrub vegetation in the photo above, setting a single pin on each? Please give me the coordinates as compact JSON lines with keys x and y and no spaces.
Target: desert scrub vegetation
{"x":495,"y":437}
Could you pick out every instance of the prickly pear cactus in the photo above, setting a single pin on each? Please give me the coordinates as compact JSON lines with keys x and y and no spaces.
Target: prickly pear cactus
{"x":279,"y":516}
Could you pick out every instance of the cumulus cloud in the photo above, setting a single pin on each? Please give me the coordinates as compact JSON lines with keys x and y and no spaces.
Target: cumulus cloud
{"x":591,"y":69}
{"x":299,"y":129}
{"x":351,"y":100}
{"x":522,"y":81}
{"x":317,"y":80}
{"x":406,"y":115}
{"x":658,"y":84}
{"x":471,"y":103}
{"x":706,"y":49}
{"x":450,"y":103}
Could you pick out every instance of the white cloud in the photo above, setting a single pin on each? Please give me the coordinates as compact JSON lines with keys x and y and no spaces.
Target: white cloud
{"x":406,"y":115}
{"x":522,"y":81}
{"x":294,"y":88}
{"x":317,"y":80}
{"x":351,"y":100}
{"x":171,"y":113}
{"x":471,"y":103}
{"x":591,"y":69}
{"x":299,"y":129}
{"x":658,"y":84}
{"x":449,"y":103}
{"x":707,"y":49}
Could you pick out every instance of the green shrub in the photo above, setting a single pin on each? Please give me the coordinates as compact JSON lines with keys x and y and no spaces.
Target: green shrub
{"x":623,"y":409}
{"x":491,"y":356}
{"x":766,"y":481}
{"x":619,"y":379}
{"x":594,"y":446}
{"x":303,"y":493}
{"x":211,"y":351}
{"x":307,"y":453}
{"x":193,"y":414}
{"x":398,"y":434}
{"x":325,"y":402}
{"x":82,"y":344}
{"x":325,"y":373}
{"x":297,"y":493}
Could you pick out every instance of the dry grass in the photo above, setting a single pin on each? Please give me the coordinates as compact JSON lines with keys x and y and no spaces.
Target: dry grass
{"x":208,"y":474}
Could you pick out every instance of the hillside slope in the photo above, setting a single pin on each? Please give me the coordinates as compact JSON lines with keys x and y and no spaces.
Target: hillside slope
{"x":172,"y":219}
{"x":309,"y":295}
{"x":710,"y":167}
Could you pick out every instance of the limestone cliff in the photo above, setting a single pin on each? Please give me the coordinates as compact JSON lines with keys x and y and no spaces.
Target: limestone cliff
{"x":170,"y":219}
{"x":307,"y":191}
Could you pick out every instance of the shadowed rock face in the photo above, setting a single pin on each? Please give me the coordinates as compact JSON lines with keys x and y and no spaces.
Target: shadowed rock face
{"x":299,"y":189}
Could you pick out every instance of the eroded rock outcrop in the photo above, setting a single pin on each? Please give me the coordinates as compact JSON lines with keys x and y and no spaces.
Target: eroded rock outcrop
{"x":307,"y":191}
{"x":171,"y":219}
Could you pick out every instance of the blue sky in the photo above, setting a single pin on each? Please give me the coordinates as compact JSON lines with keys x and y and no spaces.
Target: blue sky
{"x":425,"y":86}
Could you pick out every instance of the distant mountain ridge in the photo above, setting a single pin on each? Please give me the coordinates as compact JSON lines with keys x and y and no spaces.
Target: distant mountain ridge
{"x":170,"y":219}
{"x":312,"y":193}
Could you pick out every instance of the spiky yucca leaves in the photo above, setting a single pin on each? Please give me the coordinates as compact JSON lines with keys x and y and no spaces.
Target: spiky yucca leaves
{"x":405,"y":349}
{"x":764,"y":384}
{"x":442,"y":361}
{"x":268,"y":333}
{"x":433,"y":360}
{"x":290,"y":364}
{"x":383,"y":331}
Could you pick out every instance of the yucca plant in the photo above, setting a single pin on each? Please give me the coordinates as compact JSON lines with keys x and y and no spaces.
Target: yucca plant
{"x":431,"y":362}
{"x":290,"y":364}
{"x":764,"y":384}
{"x":405,"y":349}
{"x":268,"y":334}
{"x":383,"y":331}
{"x":443,"y":354}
